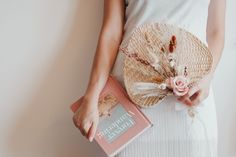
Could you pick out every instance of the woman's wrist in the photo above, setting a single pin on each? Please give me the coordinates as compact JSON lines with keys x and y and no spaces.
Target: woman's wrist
{"x":95,"y":86}
{"x":91,"y":99}
{"x":92,"y":94}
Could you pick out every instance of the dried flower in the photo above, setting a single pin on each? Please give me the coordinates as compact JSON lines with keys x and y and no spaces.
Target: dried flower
{"x":172,"y":44}
{"x":163,"y":86}
{"x":172,"y":63}
{"x":179,"y":84}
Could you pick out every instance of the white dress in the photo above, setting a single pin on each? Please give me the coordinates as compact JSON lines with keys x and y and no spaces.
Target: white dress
{"x":174,"y":134}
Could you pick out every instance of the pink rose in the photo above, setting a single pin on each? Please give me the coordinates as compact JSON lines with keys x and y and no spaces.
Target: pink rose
{"x":179,"y":84}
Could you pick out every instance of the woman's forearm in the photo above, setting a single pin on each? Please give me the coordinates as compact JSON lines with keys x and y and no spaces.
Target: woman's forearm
{"x":103,"y":61}
{"x":107,"y":47}
{"x":216,"y":30}
{"x":216,"y":45}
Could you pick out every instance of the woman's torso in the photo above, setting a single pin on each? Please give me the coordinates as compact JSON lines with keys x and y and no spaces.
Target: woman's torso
{"x":188,"y":14}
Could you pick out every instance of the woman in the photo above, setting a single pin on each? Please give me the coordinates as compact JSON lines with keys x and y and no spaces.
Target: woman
{"x":172,"y":134}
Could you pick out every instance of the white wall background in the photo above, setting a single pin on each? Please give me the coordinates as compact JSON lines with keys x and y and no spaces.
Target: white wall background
{"x":46,"y":52}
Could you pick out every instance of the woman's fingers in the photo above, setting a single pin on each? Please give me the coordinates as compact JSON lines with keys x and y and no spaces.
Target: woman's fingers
{"x":193,"y":90}
{"x":192,"y":97}
{"x":195,"y":95}
{"x":83,"y":132}
{"x":85,"y":128}
{"x":82,"y":126}
{"x":196,"y":101}
{"x":185,"y":99}
{"x":181,"y":98}
{"x":201,"y":96}
{"x":92,"y":131}
{"x":195,"y":98}
{"x":75,"y":120}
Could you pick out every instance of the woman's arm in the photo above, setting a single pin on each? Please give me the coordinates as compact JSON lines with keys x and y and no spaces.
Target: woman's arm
{"x":215,"y":39}
{"x":216,"y":30}
{"x":86,"y":118}
{"x":109,"y":40}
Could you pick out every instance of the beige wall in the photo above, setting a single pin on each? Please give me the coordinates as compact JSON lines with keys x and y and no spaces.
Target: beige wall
{"x":46,"y":53}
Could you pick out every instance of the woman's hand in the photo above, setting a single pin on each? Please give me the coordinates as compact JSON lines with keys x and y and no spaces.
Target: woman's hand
{"x":86,"y":118}
{"x":197,"y":93}
{"x":215,"y":39}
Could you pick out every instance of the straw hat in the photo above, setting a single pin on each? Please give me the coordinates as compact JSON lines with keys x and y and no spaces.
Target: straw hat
{"x":162,"y":60}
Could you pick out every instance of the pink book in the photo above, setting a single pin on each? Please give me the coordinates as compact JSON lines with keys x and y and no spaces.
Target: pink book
{"x":120,"y":120}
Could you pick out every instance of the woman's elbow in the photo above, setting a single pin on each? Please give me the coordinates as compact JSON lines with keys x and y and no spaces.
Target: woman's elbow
{"x":112,"y":33}
{"x":216,"y":36}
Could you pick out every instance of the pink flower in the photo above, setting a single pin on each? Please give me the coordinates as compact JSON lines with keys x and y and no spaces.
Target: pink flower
{"x":179,"y":84}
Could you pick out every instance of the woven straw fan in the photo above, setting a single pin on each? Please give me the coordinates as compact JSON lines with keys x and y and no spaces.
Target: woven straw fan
{"x":151,"y":42}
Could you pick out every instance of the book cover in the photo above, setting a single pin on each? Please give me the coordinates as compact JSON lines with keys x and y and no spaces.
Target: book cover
{"x":120,"y":120}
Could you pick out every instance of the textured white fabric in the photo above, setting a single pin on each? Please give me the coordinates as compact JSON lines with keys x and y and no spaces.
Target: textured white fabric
{"x":174,"y":134}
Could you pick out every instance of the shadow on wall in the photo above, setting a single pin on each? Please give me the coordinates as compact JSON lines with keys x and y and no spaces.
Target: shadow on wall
{"x":45,"y":129}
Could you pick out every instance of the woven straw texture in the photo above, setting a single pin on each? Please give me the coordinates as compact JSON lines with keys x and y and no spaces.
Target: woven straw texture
{"x":189,"y":52}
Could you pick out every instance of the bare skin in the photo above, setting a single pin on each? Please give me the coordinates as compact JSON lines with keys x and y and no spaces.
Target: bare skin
{"x":87,"y":118}
{"x":215,"y":39}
